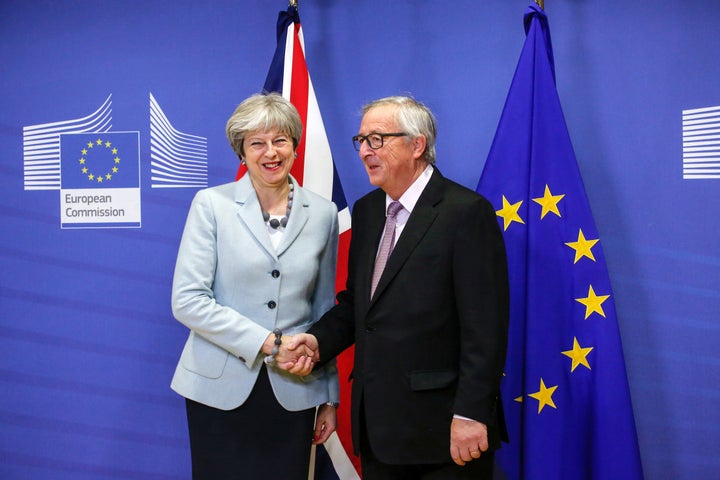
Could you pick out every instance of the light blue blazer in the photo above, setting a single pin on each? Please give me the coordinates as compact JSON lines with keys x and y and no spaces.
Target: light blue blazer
{"x":231,"y":288}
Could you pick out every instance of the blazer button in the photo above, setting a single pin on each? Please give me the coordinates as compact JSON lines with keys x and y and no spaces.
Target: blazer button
{"x":271,"y":304}
{"x":275,"y":273}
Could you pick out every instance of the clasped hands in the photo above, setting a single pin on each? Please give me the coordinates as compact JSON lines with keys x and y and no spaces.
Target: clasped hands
{"x":297,"y":354}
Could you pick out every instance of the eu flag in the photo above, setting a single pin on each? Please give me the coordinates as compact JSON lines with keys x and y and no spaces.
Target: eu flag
{"x":565,"y":392}
{"x":100,"y":160}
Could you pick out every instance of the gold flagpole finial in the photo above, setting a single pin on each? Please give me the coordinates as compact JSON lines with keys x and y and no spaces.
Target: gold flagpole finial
{"x":293,"y":3}
{"x":540,"y":3}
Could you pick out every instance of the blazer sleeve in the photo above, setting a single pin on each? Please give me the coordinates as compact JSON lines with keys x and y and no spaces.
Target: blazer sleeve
{"x":193,"y":299}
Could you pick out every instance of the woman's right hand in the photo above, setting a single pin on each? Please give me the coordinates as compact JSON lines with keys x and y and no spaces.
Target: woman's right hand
{"x":299,"y":354}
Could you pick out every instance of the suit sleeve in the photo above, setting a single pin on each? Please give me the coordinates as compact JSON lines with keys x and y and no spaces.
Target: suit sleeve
{"x":482,"y":296}
{"x":336,"y":329}
{"x":324,"y":296}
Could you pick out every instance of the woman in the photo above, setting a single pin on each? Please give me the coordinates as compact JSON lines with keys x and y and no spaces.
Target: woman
{"x":256,"y":265}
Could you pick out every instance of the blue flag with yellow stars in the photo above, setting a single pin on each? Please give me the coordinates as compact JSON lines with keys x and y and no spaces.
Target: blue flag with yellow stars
{"x":565,"y":390}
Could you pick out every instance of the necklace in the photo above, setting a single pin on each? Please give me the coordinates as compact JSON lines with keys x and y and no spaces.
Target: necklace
{"x":274,"y":222}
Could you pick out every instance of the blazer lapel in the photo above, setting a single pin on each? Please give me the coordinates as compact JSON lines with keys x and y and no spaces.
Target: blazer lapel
{"x":299,"y":215}
{"x":421,"y":218}
{"x":250,"y":214}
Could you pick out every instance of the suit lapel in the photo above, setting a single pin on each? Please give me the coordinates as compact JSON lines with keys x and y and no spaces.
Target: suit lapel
{"x":420,"y":220}
{"x":368,"y":230}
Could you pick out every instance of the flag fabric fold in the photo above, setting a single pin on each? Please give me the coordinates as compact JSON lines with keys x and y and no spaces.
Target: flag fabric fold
{"x":565,"y":389}
{"x":315,"y":170}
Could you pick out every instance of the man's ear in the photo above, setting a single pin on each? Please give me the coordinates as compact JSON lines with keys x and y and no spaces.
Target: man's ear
{"x":419,"y":144}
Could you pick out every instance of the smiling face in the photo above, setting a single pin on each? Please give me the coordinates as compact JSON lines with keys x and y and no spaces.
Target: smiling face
{"x":269,"y":156}
{"x":394,"y":166}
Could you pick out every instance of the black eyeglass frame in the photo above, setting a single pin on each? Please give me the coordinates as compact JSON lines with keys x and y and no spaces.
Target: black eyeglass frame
{"x":359,"y":139}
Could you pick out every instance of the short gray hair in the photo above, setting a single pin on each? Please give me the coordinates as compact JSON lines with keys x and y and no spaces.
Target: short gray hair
{"x":414,"y":118}
{"x":261,"y":113}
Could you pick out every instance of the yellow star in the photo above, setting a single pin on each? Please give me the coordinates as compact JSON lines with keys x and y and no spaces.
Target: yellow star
{"x":98,"y":141}
{"x":583,"y":247}
{"x":117,"y":159}
{"x":90,"y":145}
{"x":549,"y":203}
{"x":84,"y":151}
{"x":99,"y":179}
{"x":509,"y":213}
{"x":108,"y":144}
{"x":593,"y":303}
{"x":91,"y":177}
{"x":82,"y":161}
{"x":544,"y":396}
{"x":114,"y":151}
{"x":108,"y":176}
{"x":578,"y":355}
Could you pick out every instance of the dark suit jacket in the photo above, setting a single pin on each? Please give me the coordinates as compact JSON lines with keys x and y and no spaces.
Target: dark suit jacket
{"x":432,"y":341}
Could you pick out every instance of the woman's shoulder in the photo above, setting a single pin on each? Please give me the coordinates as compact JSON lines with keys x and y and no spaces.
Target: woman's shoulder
{"x":315,"y":201}
{"x":225,"y":189}
{"x":214,"y":198}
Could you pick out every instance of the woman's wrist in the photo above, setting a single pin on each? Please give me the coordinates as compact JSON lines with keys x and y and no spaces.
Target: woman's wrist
{"x":272,"y":343}
{"x":268,"y":345}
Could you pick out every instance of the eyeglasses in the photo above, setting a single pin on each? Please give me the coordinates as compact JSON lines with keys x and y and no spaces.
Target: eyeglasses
{"x":375,"y":140}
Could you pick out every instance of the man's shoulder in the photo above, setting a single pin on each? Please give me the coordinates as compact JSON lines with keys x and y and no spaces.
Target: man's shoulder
{"x":373,"y":197}
{"x":457,"y":193}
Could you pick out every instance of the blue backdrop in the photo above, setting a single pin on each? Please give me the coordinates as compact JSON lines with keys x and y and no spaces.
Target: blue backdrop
{"x":87,"y":341}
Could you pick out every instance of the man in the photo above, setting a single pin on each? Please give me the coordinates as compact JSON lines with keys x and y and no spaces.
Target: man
{"x":430,"y":340}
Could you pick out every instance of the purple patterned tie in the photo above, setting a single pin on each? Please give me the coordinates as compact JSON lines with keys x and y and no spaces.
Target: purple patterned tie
{"x":386,"y":246}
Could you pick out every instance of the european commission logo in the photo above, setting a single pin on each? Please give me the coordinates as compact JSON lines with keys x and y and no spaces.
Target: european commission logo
{"x":100,"y":180}
{"x":701,"y":143}
{"x":98,"y":171}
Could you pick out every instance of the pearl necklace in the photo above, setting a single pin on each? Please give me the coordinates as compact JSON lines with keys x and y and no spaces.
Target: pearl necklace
{"x":274,"y":222}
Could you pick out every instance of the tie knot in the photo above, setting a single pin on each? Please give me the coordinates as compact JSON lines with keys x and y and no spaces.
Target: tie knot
{"x":393,"y":209}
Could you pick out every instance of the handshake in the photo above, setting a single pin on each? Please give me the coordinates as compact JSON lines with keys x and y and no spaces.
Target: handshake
{"x":296,"y":354}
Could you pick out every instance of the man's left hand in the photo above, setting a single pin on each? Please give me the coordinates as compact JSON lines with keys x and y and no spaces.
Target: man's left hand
{"x":468,"y":439}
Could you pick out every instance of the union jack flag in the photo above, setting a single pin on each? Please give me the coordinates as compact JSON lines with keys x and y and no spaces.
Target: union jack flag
{"x":315,"y":170}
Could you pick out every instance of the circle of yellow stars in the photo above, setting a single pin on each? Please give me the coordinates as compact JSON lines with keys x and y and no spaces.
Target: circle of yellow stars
{"x":510,"y":212}
{"x":83,"y":161}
